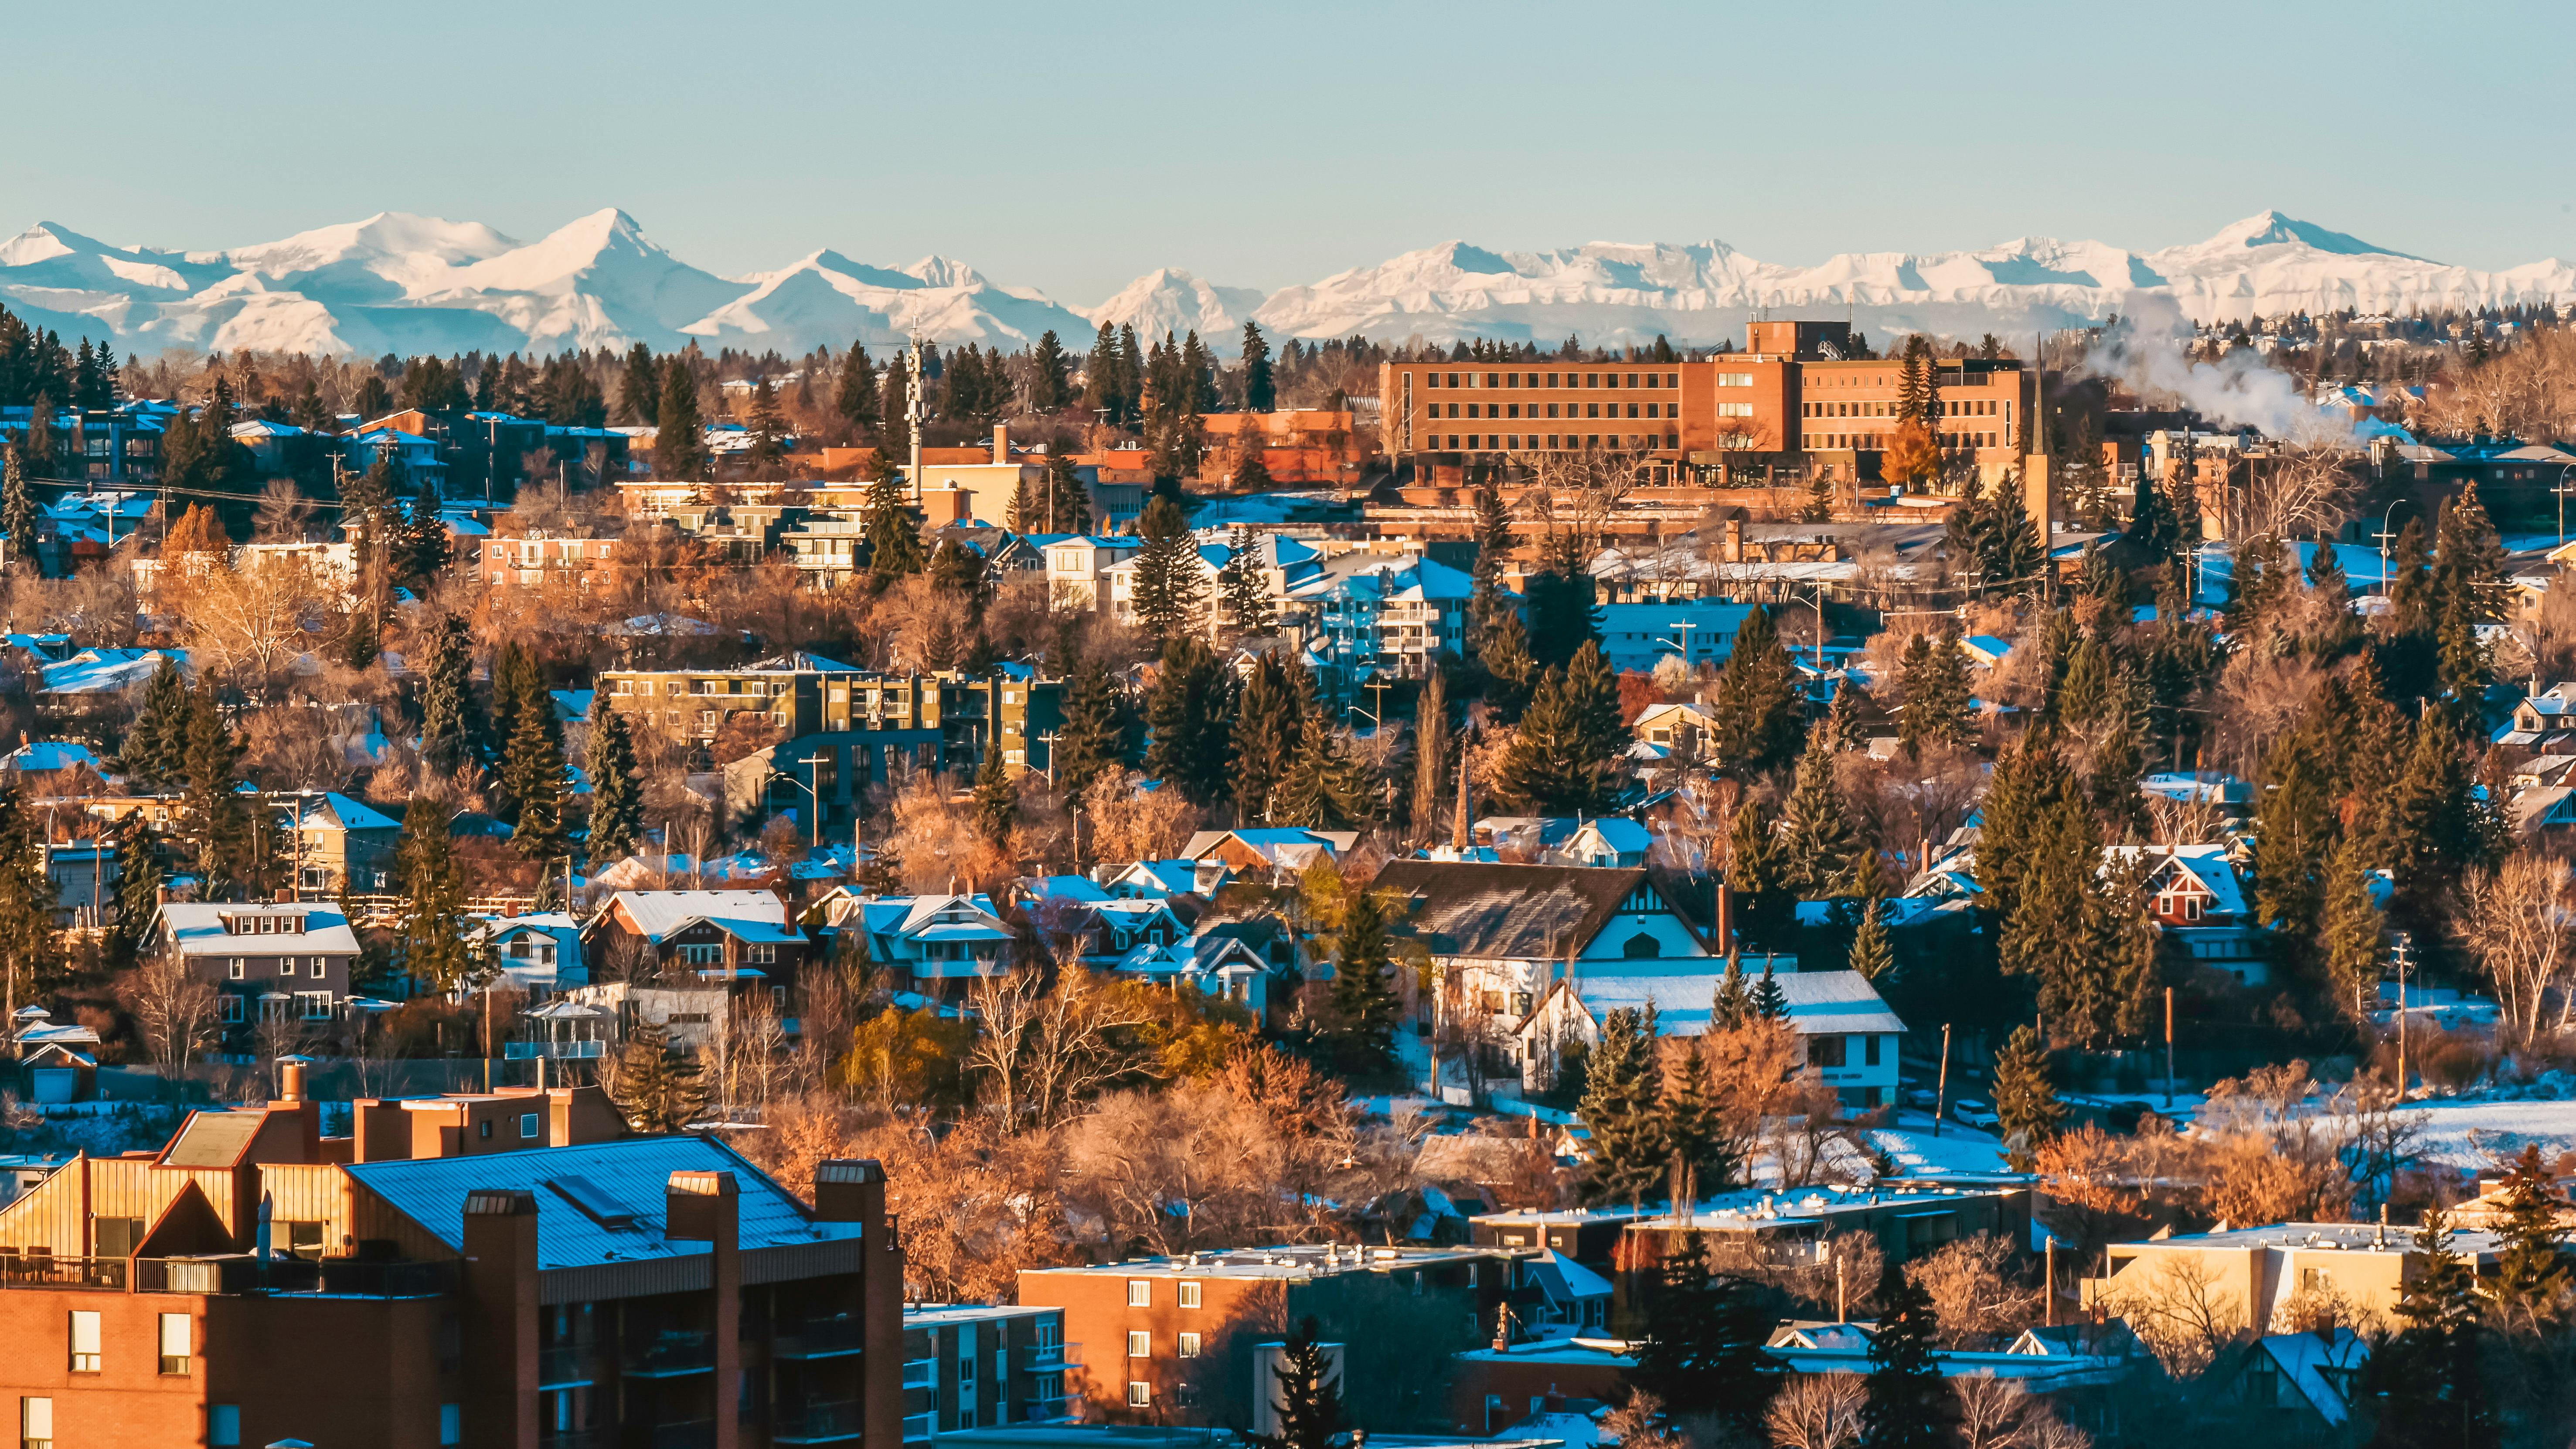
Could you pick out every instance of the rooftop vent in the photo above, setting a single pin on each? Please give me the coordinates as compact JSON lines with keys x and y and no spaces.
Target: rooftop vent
{"x":596,"y":1203}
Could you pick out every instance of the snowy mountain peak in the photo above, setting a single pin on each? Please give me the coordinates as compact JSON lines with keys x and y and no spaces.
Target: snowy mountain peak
{"x":2271,"y":228}
{"x":1168,"y":299}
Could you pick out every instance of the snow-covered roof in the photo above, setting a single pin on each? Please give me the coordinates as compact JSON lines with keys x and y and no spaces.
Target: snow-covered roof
{"x":2207,"y":866}
{"x":1821,"y":1003}
{"x":197,"y":928}
{"x":334,"y":808}
{"x":656,"y":914}
{"x":42,"y":756}
{"x":106,"y":671}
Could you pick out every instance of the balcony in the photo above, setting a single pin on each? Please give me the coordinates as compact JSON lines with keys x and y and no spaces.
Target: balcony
{"x":688,"y":1434}
{"x":821,"y":1338}
{"x":572,"y":1439}
{"x":829,"y":1422}
{"x":671,"y":1353}
{"x":921,"y":1373}
{"x":338,"y":1277}
{"x":1055,"y":1356}
{"x":1050,"y":1408}
{"x":919,"y":1427}
{"x":41,"y":1270}
{"x":564,"y":1367}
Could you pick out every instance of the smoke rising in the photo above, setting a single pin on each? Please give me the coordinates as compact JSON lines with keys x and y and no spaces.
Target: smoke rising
{"x":2146,"y":353}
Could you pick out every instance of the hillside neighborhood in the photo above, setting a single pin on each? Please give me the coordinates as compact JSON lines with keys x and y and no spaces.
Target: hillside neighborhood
{"x":1819,"y":888}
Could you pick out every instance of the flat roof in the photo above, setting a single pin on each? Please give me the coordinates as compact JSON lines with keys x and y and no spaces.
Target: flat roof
{"x":1749,"y":1207}
{"x":919,"y":1314}
{"x":1300,"y":1260}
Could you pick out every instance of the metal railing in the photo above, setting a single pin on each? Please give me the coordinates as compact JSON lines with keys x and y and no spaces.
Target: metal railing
{"x":1055,"y":1355}
{"x":520,"y":1051}
{"x":917,"y":1427}
{"x":821,"y":1338}
{"x":672,"y":1351}
{"x":824,"y":1422}
{"x":564,"y":1366}
{"x":921,"y":1373}
{"x":1053,"y":1406}
{"x":43,"y":1270}
{"x":686,"y":1434}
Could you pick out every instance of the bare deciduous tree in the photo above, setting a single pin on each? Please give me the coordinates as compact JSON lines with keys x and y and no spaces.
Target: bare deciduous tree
{"x":1816,"y":1411}
{"x":175,"y":1012}
{"x":2514,"y":918}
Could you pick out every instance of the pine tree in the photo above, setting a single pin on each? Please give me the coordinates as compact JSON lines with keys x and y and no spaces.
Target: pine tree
{"x":1703,"y":1352}
{"x":1871,"y":954}
{"x":1512,"y":675}
{"x":1916,"y":399}
{"x":1050,"y":375}
{"x":1365,"y":1007}
{"x":1770,"y":999}
{"x":1488,"y":600}
{"x":1693,"y":1132}
{"x":154,"y":755}
{"x":2431,"y":821}
{"x":2426,"y":1382}
{"x":855,"y":398}
{"x":533,"y":771}
{"x":1269,"y":720}
{"x":1309,"y":1396}
{"x":218,"y":823}
{"x":1244,"y":587}
{"x":1191,"y":715}
{"x":1758,"y":870}
{"x":1731,"y":1004}
{"x":1170,"y":594}
{"x":1092,"y":741}
{"x":1623,"y":1093}
{"x":1251,"y":473}
{"x":1759,"y":714}
{"x":17,"y":507}
{"x":679,"y":439}
{"x":139,"y":879}
{"x":997,"y":802}
{"x":452,"y":725}
{"x":1562,"y":616}
{"x":656,"y":1086}
{"x":768,"y":430}
{"x":1907,"y":1406}
{"x":1260,"y":389}
{"x":616,"y":787}
{"x":1324,"y":788}
{"x":2353,"y":945}
{"x":1825,"y":853}
{"x":2531,"y":1283}
{"x":433,"y":925}
{"x":1558,"y":763}
{"x":2026,"y":1105}
{"x":893,"y":530}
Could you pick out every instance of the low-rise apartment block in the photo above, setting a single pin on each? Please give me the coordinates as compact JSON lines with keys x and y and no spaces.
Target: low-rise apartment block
{"x":984,"y":1366}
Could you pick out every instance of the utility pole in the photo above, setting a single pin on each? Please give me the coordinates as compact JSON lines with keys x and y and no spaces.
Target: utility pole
{"x":2169,"y":1068}
{"x":1941,"y":1092}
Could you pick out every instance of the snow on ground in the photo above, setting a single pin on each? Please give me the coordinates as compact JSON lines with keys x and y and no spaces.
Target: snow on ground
{"x":1959,"y":1148}
{"x":2472,"y":1133}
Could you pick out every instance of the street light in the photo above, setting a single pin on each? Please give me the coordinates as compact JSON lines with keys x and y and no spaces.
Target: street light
{"x":813,"y":762}
{"x":2562,"y":490}
{"x":2384,"y":536}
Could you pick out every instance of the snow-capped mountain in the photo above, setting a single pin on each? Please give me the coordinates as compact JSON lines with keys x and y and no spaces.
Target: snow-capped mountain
{"x":402,"y":283}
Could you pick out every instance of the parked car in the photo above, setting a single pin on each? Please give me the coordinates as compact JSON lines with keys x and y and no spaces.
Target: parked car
{"x":1975,"y":1113}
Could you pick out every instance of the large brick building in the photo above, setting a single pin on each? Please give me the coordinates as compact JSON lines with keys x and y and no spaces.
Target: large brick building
{"x":1793,"y":398}
{"x":499,"y":1270}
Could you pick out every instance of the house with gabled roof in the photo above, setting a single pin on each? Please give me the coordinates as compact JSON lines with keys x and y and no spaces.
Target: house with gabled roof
{"x":2286,"y":1388}
{"x":2198,"y":899}
{"x":936,"y":945}
{"x":1269,"y":851}
{"x":733,"y":937}
{"x":284,"y":961}
{"x":1845,"y":1031}
{"x":1218,"y":965}
{"x":343,"y":846}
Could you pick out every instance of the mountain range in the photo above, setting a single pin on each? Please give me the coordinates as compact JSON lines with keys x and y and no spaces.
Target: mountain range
{"x":415,"y":284}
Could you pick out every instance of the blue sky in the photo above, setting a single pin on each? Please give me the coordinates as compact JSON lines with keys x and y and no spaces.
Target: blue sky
{"x":1072,"y":147}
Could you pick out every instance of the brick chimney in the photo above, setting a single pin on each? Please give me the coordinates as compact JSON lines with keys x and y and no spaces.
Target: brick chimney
{"x":1734,"y":540}
{"x":706,"y":1207}
{"x":499,"y":1316}
{"x":1001,"y":442}
{"x":853,"y":1191}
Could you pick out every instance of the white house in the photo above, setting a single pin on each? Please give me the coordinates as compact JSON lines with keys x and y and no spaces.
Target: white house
{"x":1844,"y":1030}
{"x":1075,"y":563}
{"x":539,"y":953}
{"x":939,"y":941}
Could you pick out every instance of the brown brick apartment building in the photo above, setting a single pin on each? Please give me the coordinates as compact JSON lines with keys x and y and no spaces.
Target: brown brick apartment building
{"x":1791,"y":398}
{"x":1170,"y":1340}
{"x":501,"y":1270}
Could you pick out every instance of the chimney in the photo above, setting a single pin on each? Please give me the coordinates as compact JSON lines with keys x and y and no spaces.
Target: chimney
{"x":701,"y":1207}
{"x":1001,"y":443}
{"x":1725,"y":918}
{"x":286,"y":895}
{"x":1734,"y":540}
{"x":290,"y":1082}
{"x":498,"y":1322}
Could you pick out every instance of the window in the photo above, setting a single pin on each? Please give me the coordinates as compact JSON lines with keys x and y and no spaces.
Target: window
{"x":451,"y":1423}
{"x":528,"y":1120}
{"x":1189,"y":1345}
{"x":1140,"y":1344}
{"x":36,"y":1425}
{"x":1139,"y":1395}
{"x":1825,"y":1051}
{"x":313,"y":1005}
{"x":116,"y":1237}
{"x":1189,"y":1295}
{"x":1869,"y":1051}
{"x":1735,"y":379}
{"x":174,"y":1343}
{"x":232,"y":1010}
{"x":238,"y":967}
{"x":286,"y":966}
{"x":763,"y":953}
{"x":1735,"y":410}
{"x":1140,"y":1292}
{"x":710,"y":955}
{"x":84,"y":1341}
{"x":223,"y":1425}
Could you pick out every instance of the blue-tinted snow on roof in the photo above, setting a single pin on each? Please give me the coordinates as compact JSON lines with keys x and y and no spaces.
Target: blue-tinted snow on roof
{"x":627,"y":1176}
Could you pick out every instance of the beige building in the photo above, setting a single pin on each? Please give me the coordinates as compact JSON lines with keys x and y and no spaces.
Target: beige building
{"x":2247,"y":1276}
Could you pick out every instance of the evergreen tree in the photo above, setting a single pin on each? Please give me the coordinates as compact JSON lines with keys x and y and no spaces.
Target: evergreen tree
{"x":1825,"y":853}
{"x":1251,"y":473}
{"x":1260,"y":389}
{"x":1731,"y":1004}
{"x":1268,"y":723}
{"x":1093,"y":739}
{"x":855,"y":398}
{"x":1431,"y":748}
{"x":2433,"y":837}
{"x":1100,"y":391}
{"x":2353,"y":945}
{"x":1512,"y":675}
{"x":17,"y":507}
{"x":1758,"y":870}
{"x":893,"y":530}
{"x":1488,"y":600}
{"x":2426,"y":1382}
{"x":425,"y":545}
{"x":155,"y":753}
{"x":1559,"y":762}
{"x":1309,"y":1396}
{"x":1170,"y":594}
{"x":997,"y":803}
{"x":139,"y":879}
{"x":1050,"y":375}
{"x":894,"y":411}
{"x":1871,"y":954}
{"x":1191,"y":715}
{"x":2531,"y":1284}
{"x":1759,"y":714}
{"x":1770,"y":1001}
{"x":1365,"y":1007}
{"x":616,"y":785}
{"x":533,"y":771}
{"x":2295,"y":829}
{"x":452,"y":725}
{"x":1703,"y":1352}
{"x":1916,"y":399}
{"x":1694,"y":1133}
{"x":679,"y":439}
{"x":1906,"y":1405}
{"x":1244,"y":587}
{"x":2026,"y":1105}
{"x":1562,"y":615}
{"x":218,"y":822}
{"x":1324,"y":788}
{"x":1622,"y":1098}
{"x":432,"y":931}
{"x":656,"y":1086}
{"x":768,"y":431}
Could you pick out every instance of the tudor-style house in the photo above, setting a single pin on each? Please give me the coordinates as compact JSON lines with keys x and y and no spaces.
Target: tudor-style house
{"x":2199,"y":905}
{"x":266,"y":962}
